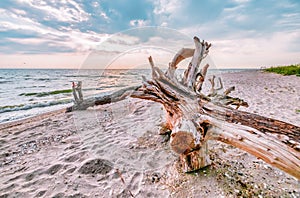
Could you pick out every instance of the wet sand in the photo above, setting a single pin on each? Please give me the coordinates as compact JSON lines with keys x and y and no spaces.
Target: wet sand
{"x":114,"y":150}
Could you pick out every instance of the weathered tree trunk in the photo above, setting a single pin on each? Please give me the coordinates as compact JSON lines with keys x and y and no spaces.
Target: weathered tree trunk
{"x":195,"y":118}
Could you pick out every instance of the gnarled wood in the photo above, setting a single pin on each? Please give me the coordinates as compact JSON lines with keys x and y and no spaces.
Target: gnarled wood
{"x":223,"y":98}
{"x":195,"y":118}
{"x":201,"y":50}
{"x":199,"y":79}
{"x":181,"y":55}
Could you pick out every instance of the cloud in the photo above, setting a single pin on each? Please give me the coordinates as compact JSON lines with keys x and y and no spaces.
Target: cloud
{"x":55,"y":38}
{"x":241,"y":1}
{"x":127,"y":14}
{"x":138,"y":23}
{"x":234,"y":26}
{"x":19,"y":12}
{"x":254,"y":52}
{"x":167,"y":7}
{"x":104,"y":15}
{"x":289,"y":20}
{"x":95,"y":4}
{"x":65,"y":11}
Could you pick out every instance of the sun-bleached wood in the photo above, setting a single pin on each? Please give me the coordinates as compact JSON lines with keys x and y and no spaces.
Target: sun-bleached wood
{"x":195,"y":118}
{"x":99,"y":100}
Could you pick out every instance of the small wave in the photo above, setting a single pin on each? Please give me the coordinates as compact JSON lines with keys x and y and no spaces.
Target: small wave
{"x":76,"y":76}
{"x":109,"y":87}
{"x":20,"y":107}
{"x":42,"y":94}
{"x":23,"y":87}
{"x":45,"y":79}
{"x":111,"y":76}
{"x":39,"y":79}
{"x":89,"y":89}
{"x":131,"y":73}
{"x":5,"y":81}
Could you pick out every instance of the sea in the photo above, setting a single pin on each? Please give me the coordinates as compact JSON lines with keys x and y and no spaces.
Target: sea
{"x":29,"y":92}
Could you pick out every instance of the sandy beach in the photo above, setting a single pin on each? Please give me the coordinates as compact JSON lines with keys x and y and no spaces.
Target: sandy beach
{"x":114,"y":150}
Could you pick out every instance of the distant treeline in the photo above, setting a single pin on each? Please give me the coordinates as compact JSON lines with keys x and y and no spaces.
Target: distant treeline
{"x":285,"y":70}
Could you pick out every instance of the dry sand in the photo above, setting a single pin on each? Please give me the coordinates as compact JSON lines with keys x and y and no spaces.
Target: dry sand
{"x":114,"y":151}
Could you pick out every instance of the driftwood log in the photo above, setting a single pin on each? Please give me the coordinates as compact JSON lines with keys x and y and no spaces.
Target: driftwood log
{"x":80,"y":104}
{"x":194,"y":118}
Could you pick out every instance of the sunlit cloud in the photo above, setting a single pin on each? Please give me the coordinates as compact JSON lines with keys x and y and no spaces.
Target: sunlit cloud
{"x":66,"y":11}
{"x":241,"y":31}
{"x":138,"y":23}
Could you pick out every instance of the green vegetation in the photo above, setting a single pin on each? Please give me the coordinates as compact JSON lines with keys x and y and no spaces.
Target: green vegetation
{"x":285,"y":70}
{"x":11,"y":106}
{"x":297,"y":110}
{"x":42,"y":94}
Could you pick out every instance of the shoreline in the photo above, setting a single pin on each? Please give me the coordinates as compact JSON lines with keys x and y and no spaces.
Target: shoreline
{"x":35,"y":117}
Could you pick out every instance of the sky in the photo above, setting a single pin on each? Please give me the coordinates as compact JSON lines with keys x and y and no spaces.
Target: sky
{"x":122,"y":33}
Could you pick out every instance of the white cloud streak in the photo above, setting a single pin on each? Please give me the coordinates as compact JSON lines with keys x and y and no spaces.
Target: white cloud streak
{"x":65,"y":11}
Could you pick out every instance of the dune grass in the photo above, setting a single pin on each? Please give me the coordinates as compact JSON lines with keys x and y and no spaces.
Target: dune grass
{"x":285,"y":70}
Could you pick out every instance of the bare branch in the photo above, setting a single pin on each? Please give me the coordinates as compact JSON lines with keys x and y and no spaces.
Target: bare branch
{"x":199,"y":79}
{"x":212,"y":91}
{"x":181,"y":55}
{"x":194,"y":64}
{"x":229,"y":90}
{"x":221,"y":84}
